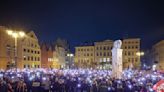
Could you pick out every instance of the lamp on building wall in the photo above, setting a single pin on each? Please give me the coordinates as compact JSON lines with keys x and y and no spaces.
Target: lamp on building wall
{"x":15,"y":35}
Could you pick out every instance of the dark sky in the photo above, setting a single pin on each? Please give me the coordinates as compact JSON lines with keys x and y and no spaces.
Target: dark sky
{"x":79,"y":21}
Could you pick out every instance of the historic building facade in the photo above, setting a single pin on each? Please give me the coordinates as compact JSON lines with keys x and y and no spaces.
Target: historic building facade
{"x":28,"y":51}
{"x":84,"y":56}
{"x":158,"y":54}
{"x":31,"y":52}
{"x":6,"y":49}
{"x":52,"y":56}
{"x":130,"y":48}
{"x":102,"y":55}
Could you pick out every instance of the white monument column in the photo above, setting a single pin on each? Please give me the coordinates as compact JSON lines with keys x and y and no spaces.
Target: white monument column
{"x":117,"y":59}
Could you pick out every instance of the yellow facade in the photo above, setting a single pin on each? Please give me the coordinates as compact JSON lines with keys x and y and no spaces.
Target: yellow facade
{"x":130,"y":48}
{"x":158,"y":50}
{"x":31,"y":52}
{"x":28,"y":50}
{"x":103,"y":55}
{"x":84,"y":56}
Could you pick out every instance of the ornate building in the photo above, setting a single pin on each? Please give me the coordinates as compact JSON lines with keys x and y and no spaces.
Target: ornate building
{"x":101,"y":55}
{"x":84,"y":56}
{"x":130,"y":48}
{"x":28,"y":51}
{"x":31,"y":52}
{"x":52,"y":56}
{"x":158,"y":54}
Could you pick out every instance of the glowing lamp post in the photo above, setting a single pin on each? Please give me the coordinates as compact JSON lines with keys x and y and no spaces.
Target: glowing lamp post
{"x":15,"y":35}
{"x":69,"y":55}
{"x":140,"y":54}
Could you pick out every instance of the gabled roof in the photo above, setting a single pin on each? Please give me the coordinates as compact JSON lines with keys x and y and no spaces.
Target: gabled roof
{"x":32,"y":35}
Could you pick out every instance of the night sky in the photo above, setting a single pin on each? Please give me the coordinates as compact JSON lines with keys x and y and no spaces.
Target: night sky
{"x":85,"y":20}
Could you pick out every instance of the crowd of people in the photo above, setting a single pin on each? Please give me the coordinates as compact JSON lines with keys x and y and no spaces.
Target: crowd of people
{"x":77,"y":80}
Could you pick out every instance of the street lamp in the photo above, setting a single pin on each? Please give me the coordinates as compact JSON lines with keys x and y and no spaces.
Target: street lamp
{"x":140,"y":54}
{"x":70,"y":56}
{"x":15,"y":35}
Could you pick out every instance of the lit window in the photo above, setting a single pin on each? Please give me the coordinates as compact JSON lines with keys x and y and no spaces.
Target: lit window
{"x":108,"y":59}
{"x":104,"y":59}
{"x":101,"y":60}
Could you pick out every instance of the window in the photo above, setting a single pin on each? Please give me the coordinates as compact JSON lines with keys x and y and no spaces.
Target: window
{"x":100,"y":54}
{"x":24,"y":66}
{"x":38,"y":66}
{"x":132,"y":59}
{"x":38,"y":59}
{"x":101,"y":60}
{"x":108,"y":54}
{"x":108,"y":48}
{"x":81,"y":49}
{"x":104,"y":48}
{"x":87,"y":49}
{"x":91,"y":60}
{"x":38,"y":52}
{"x":128,"y":53}
{"x":125,"y":53}
{"x":32,"y":51}
{"x":104,"y":59}
{"x":32,"y":45}
{"x":35,"y":59}
{"x":136,"y":47}
{"x":24,"y":50}
{"x":32,"y":36}
{"x":129,"y":60}
{"x":132,"y":53}
{"x":125,"y":47}
{"x":128,"y":47}
{"x":28,"y":66}
{"x":31,"y":58}
{"x":97,"y":48}
{"x":104,"y":54}
{"x":91,"y":54}
{"x":136,"y":59}
{"x":28,"y":50}
{"x":97,"y":54}
{"x":108,"y":59}
{"x":100,"y":48}
{"x":24,"y":58}
{"x":132,"y":47}
{"x":87,"y":54}
{"x":28,"y":58}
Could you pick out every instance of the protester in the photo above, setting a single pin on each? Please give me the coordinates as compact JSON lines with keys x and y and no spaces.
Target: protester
{"x":77,"y":80}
